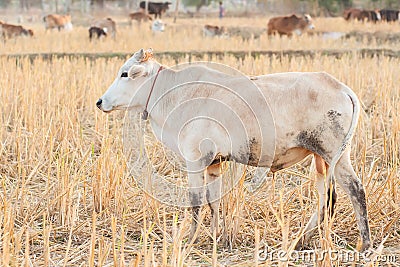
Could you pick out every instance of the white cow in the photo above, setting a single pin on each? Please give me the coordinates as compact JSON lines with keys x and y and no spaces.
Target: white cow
{"x":158,"y":26}
{"x":313,"y":113}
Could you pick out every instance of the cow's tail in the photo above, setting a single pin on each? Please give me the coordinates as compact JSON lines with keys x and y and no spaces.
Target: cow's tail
{"x":44,"y":18}
{"x":347,"y":140}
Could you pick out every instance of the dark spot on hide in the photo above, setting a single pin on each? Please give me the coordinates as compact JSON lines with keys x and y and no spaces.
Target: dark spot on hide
{"x":313,"y":95}
{"x":310,"y":140}
{"x":250,"y":153}
{"x":218,"y":159}
{"x":253,"y":152}
{"x":290,"y":134}
{"x":357,"y":192}
{"x":334,"y":123}
{"x":277,"y":167}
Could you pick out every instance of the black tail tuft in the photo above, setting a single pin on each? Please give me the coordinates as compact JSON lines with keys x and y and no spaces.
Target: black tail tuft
{"x":331,"y":195}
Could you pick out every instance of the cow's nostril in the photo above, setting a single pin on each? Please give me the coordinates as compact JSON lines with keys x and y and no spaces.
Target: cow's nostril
{"x":98,"y":103}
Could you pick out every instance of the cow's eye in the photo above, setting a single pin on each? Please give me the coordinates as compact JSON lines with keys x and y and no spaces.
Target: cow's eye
{"x":124,"y":74}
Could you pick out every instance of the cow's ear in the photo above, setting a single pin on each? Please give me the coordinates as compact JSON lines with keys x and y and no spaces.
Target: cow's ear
{"x":139,"y":55}
{"x":137,"y":71}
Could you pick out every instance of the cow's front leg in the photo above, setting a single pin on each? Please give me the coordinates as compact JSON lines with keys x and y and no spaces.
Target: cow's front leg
{"x":197,"y":199}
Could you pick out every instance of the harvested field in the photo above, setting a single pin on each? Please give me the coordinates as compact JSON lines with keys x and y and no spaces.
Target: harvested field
{"x":67,"y":200}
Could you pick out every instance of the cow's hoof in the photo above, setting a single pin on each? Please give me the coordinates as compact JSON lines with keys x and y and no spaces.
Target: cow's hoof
{"x":366,"y":246}
{"x":301,"y":246}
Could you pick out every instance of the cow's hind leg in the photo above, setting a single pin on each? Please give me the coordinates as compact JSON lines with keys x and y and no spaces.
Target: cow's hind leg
{"x":325,"y":200}
{"x":348,"y":180}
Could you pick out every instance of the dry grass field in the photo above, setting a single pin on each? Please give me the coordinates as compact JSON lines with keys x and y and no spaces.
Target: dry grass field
{"x":66,"y":198}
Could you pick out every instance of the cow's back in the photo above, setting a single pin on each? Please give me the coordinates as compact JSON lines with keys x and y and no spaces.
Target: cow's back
{"x":139,"y":16}
{"x":55,"y":20}
{"x":50,"y":21}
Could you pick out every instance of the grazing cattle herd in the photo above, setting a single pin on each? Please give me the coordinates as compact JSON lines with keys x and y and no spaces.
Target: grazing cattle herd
{"x":387,"y":15}
{"x":282,"y":25}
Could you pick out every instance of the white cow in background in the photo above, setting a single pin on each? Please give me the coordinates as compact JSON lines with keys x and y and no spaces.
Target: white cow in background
{"x":158,"y":26}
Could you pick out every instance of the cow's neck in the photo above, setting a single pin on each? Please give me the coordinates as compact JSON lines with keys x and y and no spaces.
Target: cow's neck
{"x":160,"y":104}
{"x":165,"y":100}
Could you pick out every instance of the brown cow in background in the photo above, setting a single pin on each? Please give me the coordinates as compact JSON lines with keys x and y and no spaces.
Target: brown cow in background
{"x":286,"y":25}
{"x":58,"y":21}
{"x":10,"y":31}
{"x":211,"y":30}
{"x":139,"y":17}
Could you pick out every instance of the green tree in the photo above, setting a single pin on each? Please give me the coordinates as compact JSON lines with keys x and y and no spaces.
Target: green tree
{"x":197,"y":3}
{"x":99,"y":3}
{"x":333,"y":6}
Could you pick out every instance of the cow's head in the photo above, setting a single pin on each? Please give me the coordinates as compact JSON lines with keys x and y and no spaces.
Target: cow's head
{"x":309,"y":21}
{"x":130,"y":78}
{"x":165,"y":7}
{"x":28,"y":32}
{"x":67,"y":17}
{"x":378,"y":14}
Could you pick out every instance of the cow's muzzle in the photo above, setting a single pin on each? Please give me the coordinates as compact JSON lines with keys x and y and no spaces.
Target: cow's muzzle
{"x":98,"y":103}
